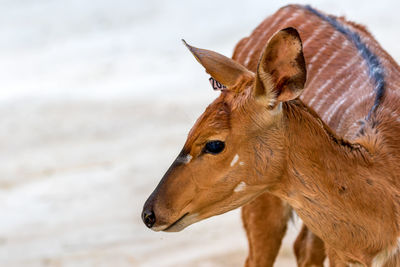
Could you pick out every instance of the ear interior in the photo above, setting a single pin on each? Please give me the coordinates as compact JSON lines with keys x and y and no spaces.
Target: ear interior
{"x":281,"y":71}
{"x":223,"y":69}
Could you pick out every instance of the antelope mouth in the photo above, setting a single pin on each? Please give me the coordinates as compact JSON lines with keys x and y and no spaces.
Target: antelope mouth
{"x":178,"y":225}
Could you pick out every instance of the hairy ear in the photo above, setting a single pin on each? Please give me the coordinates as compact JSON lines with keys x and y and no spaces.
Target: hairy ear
{"x":223,"y":69}
{"x":281,"y":71}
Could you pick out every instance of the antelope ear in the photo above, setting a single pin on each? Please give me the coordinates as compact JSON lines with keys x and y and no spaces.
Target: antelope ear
{"x":223,"y":69}
{"x":281,"y":71}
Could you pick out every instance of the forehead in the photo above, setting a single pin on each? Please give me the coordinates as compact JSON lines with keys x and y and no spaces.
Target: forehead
{"x":215,"y":119}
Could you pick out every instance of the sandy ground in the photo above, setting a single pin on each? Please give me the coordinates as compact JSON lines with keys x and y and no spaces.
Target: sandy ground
{"x":96,"y":100}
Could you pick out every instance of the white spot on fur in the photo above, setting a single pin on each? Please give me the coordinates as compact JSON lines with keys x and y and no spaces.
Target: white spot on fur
{"x":277,"y":109}
{"x":188,"y":158}
{"x":234,"y":160}
{"x":382,"y":257}
{"x":240,"y":187}
{"x":185,"y":159}
{"x":159,"y":228}
{"x":241,"y":163}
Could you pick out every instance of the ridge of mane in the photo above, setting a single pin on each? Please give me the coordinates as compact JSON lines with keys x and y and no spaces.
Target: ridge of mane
{"x":300,"y":106}
{"x":375,"y":68}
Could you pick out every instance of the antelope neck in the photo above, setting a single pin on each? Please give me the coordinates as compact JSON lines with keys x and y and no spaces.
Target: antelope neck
{"x":334,"y":186}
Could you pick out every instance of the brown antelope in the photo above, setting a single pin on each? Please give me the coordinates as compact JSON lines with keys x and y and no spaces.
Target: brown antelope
{"x":336,"y":167}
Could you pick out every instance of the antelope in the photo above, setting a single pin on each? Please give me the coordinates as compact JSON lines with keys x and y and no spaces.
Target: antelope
{"x":262,"y":144}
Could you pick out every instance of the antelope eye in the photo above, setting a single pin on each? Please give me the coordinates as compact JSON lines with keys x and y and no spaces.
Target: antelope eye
{"x":214,"y":147}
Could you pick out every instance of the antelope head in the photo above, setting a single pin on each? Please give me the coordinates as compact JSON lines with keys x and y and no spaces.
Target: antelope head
{"x":236,"y":150}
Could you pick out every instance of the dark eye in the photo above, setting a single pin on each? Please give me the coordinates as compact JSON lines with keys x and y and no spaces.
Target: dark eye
{"x":214,"y":147}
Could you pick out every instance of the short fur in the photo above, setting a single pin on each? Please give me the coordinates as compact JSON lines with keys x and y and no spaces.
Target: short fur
{"x":339,"y":173}
{"x":338,"y":76}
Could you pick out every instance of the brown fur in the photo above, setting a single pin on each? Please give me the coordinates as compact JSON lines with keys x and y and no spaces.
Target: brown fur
{"x":257,"y":40}
{"x":265,"y":226}
{"x":345,"y":190}
{"x":309,"y":249}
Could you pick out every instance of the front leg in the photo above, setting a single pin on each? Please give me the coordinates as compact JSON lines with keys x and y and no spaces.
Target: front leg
{"x":265,"y":221}
{"x":334,"y":259}
{"x":309,"y":249}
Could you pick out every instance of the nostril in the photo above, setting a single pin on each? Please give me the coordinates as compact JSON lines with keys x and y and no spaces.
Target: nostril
{"x":148,"y":218}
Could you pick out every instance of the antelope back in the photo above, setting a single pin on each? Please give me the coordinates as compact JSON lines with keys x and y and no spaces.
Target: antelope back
{"x":348,"y":71}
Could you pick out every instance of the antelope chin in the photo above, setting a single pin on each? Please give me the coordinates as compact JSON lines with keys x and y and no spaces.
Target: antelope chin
{"x":183,"y":222}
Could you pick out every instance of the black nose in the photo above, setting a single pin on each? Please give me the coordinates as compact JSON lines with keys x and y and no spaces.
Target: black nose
{"x":148,"y":218}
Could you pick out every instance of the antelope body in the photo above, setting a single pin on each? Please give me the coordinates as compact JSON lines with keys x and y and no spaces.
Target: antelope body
{"x":338,"y":88}
{"x":336,"y":167}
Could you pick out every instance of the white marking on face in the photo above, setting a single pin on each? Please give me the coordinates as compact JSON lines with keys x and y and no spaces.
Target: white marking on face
{"x":185,"y":159}
{"x":234,"y":160}
{"x":188,"y":158}
{"x":240,"y":187}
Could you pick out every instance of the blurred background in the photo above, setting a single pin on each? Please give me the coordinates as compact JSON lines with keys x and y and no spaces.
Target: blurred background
{"x":96,"y":99}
